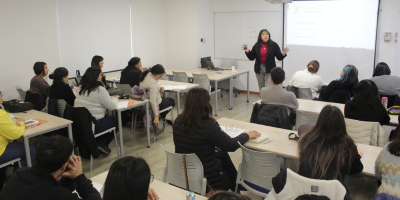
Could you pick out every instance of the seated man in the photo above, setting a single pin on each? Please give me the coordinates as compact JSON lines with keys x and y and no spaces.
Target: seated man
{"x":276,"y":94}
{"x":52,"y":159}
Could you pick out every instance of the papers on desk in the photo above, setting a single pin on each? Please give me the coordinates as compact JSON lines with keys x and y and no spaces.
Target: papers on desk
{"x":12,"y":116}
{"x":117,"y":79}
{"x":232,"y":133}
{"x":174,"y":87}
{"x":97,"y":186}
{"x":123,"y":104}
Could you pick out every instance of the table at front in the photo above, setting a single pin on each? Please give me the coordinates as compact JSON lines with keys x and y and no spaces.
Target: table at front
{"x":53,"y":123}
{"x":282,"y":146}
{"x":163,"y":190}
{"x":316,"y":107}
{"x":135,"y":104}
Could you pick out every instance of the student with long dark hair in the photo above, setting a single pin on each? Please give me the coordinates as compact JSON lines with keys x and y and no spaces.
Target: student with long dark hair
{"x":366,"y":104}
{"x":60,"y":88}
{"x":196,"y":131}
{"x":387,"y":168}
{"x":264,"y":51}
{"x":348,"y":79}
{"x":39,"y":85}
{"x":386,"y":83}
{"x":131,"y":74}
{"x":94,"y":97}
{"x":98,"y":61}
{"x":308,"y":78}
{"x":149,"y":80}
{"x":129,"y":179}
{"x":327,"y":151}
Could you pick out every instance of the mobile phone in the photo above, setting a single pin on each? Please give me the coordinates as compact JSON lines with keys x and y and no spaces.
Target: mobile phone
{"x":245,"y":47}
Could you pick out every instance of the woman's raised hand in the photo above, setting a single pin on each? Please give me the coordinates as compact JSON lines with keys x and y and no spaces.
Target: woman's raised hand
{"x":243,"y":48}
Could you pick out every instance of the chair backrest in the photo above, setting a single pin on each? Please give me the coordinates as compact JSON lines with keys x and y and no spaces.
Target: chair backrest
{"x":180,"y":77}
{"x":22,"y":93}
{"x":203,"y":81}
{"x":305,"y":118}
{"x":364,"y":132}
{"x":228,"y":63}
{"x":175,"y":172}
{"x":124,"y":87}
{"x":259,"y":167}
{"x":305,"y":93}
{"x":339,"y":96}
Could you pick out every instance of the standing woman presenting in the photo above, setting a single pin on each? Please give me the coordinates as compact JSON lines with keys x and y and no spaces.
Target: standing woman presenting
{"x":264,"y":51}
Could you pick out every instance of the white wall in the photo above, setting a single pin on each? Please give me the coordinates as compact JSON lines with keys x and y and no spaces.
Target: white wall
{"x":205,"y":29}
{"x":28,"y":31}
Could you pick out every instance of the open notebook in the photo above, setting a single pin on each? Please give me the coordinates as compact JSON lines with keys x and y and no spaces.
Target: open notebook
{"x":239,"y":131}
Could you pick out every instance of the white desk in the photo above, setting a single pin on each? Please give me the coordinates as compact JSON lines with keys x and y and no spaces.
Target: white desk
{"x":189,"y":86}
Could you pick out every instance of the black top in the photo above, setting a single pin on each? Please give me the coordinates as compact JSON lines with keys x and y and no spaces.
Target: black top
{"x":60,"y":90}
{"x":203,"y":144}
{"x":356,"y":167}
{"x":272,"y":52}
{"x":130,"y":75}
{"x":366,"y":114}
{"x":103,"y":80}
{"x":326,"y":91}
{"x":34,"y":184}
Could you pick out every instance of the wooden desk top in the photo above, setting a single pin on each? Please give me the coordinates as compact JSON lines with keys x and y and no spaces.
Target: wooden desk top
{"x":163,"y":190}
{"x":188,"y":85}
{"x":281,"y":144}
{"x":53,"y":122}
{"x":214,"y":76}
{"x":316,"y":107}
{"x":135,"y":103}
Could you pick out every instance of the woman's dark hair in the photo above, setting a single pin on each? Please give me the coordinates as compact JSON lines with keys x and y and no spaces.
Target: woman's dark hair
{"x":327,"y":144}
{"x":59,"y":74}
{"x":128,"y":179}
{"x":350,"y":76}
{"x":95,"y":61}
{"x":366,"y":94}
{"x":223,"y":195}
{"x":156,"y":69}
{"x":394,"y":147}
{"x":381,"y":69}
{"x":89,"y":80}
{"x":38,"y":67}
{"x":315,"y":66}
{"x":132,"y":62}
{"x":260,"y":41}
{"x":197,"y":109}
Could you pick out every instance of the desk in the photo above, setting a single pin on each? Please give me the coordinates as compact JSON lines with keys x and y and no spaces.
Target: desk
{"x":163,"y":190}
{"x":189,"y":86}
{"x":53,"y":123}
{"x":286,"y":148}
{"x":316,"y":107}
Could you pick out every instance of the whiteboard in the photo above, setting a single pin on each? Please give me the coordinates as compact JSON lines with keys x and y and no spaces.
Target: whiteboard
{"x":233,"y":29}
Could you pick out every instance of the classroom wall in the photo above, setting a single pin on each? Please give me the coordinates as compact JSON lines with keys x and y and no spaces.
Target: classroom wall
{"x":205,"y":29}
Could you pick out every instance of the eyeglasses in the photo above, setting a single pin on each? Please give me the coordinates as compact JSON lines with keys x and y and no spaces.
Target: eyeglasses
{"x":151,"y":178}
{"x":232,"y":128}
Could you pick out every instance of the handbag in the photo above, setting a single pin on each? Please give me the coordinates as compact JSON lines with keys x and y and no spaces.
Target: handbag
{"x":160,"y":128}
{"x":394,"y":110}
{"x":15,"y":106}
{"x":302,"y":129}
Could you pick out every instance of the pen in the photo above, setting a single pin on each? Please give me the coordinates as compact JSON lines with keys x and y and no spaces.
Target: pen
{"x":268,"y":141}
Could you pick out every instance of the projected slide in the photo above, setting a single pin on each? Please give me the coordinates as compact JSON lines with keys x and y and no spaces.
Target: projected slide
{"x":341,"y":24}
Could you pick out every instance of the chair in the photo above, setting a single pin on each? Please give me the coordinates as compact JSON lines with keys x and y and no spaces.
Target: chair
{"x":258,"y":168}
{"x":271,"y":115}
{"x":100,"y":134}
{"x":204,"y":82}
{"x":12,"y":162}
{"x":370,"y":133}
{"x":305,"y":93}
{"x":174,"y":172}
{"x":58,"y":108}
{"x":305,"y":118}
{"x":78,"y":79}
{"x":125,"y":87}
{"x":21,"y":93}
{"x":228,"y":63}
{"x":339,"y":96}
{"x":180,"y":77}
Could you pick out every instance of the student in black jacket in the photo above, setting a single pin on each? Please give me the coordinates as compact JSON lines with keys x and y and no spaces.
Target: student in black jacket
{"x":195,"y":131}
{"x":130,"y":75}
{"x":348,"y":79}
{"x":264,"y":51}
{"x":366,"y":105}
{"x":98,"y":61}
{"x":60,"y":88}
{"x":52,"y":159}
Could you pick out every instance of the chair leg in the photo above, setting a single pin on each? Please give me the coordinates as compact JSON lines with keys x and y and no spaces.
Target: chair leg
{"x":132,"y":120}
{"x":172,"y":116}
{"x":91,"y":163}
{"x":116,"y":143}
{"x":220,"y":101}
{"x":19,"y":164}
{"x":134,"y":124}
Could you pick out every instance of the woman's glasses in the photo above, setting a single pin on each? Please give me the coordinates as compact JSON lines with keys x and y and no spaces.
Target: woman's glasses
{"x":232,"y":128}
{"x":151,"y":178}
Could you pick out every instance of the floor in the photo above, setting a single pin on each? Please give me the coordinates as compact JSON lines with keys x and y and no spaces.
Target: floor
{"x":136,"y":145}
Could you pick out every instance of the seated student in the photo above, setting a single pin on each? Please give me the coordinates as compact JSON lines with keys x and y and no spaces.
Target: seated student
{"x":94,"y":97}
{"x":196,"y":131}
{"x":326,"y":151}
{"x":52,"y":159}
{"x":9,"y":149}
{"x":348,"y":79}
{"x":60,"y":88}
{"x":276,"y":94}
{"x":38,"y":84}
{"x":387,"y":168}
{"x":386,"y":83}
{"x":308,"y":78}
{"x":366,"y":105}
{"x":130,"y":75}
{"x":149,"y":80}
{"x":129,"y":177}
{"x":98,"y":61}
{"x":228,"y":196}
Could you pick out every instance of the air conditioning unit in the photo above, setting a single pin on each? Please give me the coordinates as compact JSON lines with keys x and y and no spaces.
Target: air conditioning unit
{"x":279,"y":1}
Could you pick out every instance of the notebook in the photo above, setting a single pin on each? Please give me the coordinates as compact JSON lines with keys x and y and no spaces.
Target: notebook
{"x":239,"y":131}
{"x":259,"y":139}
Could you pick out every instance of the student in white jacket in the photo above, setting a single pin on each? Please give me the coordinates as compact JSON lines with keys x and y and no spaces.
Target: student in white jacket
{"x":308,"y":78}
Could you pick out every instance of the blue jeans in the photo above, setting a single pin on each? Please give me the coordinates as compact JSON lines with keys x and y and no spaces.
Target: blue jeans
{"x":103,"y":124}
{"x":13,"y":151}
